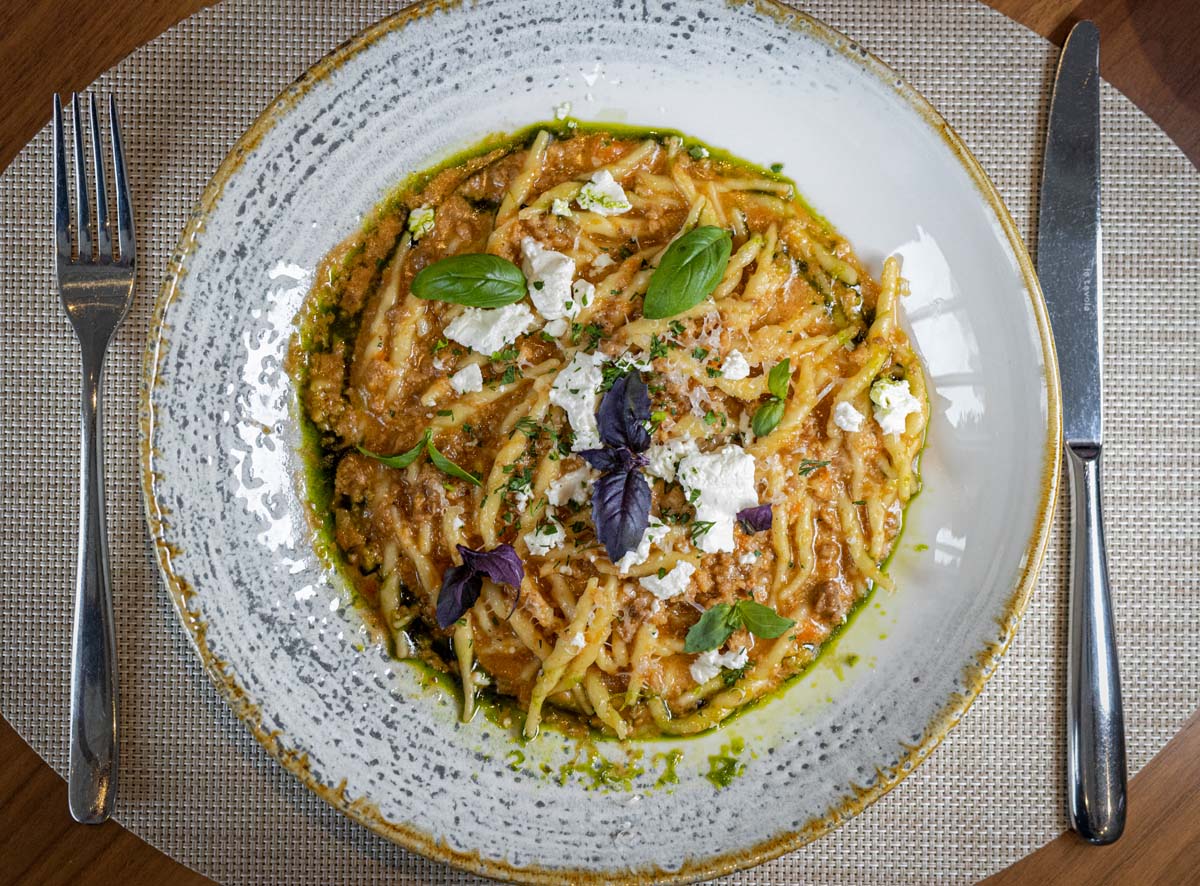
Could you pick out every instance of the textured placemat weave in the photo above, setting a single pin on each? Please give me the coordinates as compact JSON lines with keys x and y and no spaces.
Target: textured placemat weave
{"x":194,"y":784}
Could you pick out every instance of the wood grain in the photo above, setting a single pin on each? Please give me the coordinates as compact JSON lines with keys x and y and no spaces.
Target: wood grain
{"x":1161,"y":844}
{"x":59,"y":45}
{"x":40,"y":845}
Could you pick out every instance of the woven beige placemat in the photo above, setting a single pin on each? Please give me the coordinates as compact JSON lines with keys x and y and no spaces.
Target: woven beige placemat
{"x":194,"y":784}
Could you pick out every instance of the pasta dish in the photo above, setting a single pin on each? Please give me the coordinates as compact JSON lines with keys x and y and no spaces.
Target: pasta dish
{"x":610,"y":423}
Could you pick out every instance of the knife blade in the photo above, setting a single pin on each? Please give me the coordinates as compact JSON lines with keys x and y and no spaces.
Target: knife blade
{"x":1069,"y":233}
{"x":1070,"y":271}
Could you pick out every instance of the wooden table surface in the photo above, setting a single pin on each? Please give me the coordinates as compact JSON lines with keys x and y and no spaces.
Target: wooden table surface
{"x":47,"y":45}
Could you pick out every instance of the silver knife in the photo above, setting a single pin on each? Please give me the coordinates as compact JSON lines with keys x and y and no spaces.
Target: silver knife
{"x":1069,"y":268}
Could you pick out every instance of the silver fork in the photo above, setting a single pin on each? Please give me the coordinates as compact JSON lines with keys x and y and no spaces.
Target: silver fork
{"x":96,"y":287}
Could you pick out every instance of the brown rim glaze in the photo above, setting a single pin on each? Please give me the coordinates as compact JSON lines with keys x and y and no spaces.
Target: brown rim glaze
{"x":975,"y":675}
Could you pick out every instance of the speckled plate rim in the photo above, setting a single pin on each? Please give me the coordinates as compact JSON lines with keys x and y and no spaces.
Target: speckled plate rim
{"x":361,"y":810}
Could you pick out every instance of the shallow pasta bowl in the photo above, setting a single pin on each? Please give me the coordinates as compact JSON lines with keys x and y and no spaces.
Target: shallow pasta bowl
{"x":272,"y":621}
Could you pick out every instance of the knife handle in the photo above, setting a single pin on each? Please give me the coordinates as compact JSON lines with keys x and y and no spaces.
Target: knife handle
{"x":1095,"y":721}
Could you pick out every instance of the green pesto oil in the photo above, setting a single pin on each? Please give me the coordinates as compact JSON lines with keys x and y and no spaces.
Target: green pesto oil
{"x":724,"y":767}
{"x":597,"y":772}
{"x":670,"y":759}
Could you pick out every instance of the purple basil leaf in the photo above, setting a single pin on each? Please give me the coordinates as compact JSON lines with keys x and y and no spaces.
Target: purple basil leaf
{"x":621,"y":511}
{"x":624,"y":412}
{"x":501,"y":564}
{"x":606,"y":459}
{"x":613,"y":458}
{"x":756,"y":519}
{"x":460,"y":589}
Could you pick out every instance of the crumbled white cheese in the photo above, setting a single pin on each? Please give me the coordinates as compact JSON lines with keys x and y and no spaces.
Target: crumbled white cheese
{"x":719,"y":484}
{"x":521,"y":495}
{"x":846,"y":417}
{"x":894,"y":403}
{"x":603,"y":195}
{"x":663,"y":458}
{"x":545,"y":538}
{"x":562,"y":111}
{"x":576,"y":641}
{"x":735,"y":367}
{"x":575,"y":389}
{"x":420,"y":222}
{"x":457,"y":523}
{"x":672,"y":584}
{"x":655,"y":532}
{"x":561,"y":208}
{"x":582,"y":293}
{"x":487,"y":330}
{"x":708,"y":664}
{"x":749,"y":558}
{"x":468,"y":379}
{"x":549,"y":275}
{"x":571,"y":486}
{"x":556,"y":328}
{"x":602,"y":261}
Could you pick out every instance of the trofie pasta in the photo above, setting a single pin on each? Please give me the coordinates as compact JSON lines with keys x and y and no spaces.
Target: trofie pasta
{"x":609,"y":424}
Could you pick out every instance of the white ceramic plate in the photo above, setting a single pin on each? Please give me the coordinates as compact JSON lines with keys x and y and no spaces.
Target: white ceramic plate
{"x":223,"y":477}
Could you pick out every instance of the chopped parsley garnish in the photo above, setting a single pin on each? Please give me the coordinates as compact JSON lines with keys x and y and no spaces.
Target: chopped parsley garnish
{"x":808,"y":465}
{"x":677,"y":518}
{"x":658,"y":347}
{"x":729,"y":676}
{"x":528,"y":427}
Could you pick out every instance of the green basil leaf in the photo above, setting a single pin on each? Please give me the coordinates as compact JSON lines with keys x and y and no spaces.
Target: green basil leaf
{"x":479,"y":281}
{"x":403,"y":460}
{"x":780,"y":377}
{"x":762,"y":621}
{"x":713,"y":628}
{"x":767,"y":417}
{"x":689,"y":271}
{"x":446,"y":466}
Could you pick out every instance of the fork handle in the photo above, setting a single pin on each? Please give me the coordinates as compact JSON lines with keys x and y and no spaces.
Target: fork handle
{"x":1095,"y":721}
{"x":92,"y":779}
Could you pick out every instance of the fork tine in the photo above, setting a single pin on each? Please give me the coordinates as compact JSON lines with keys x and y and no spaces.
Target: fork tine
{"x":103,"y":240}
{"x":83,"y":215}
{"x":124,"y":208}
{"x":62,"y":199}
